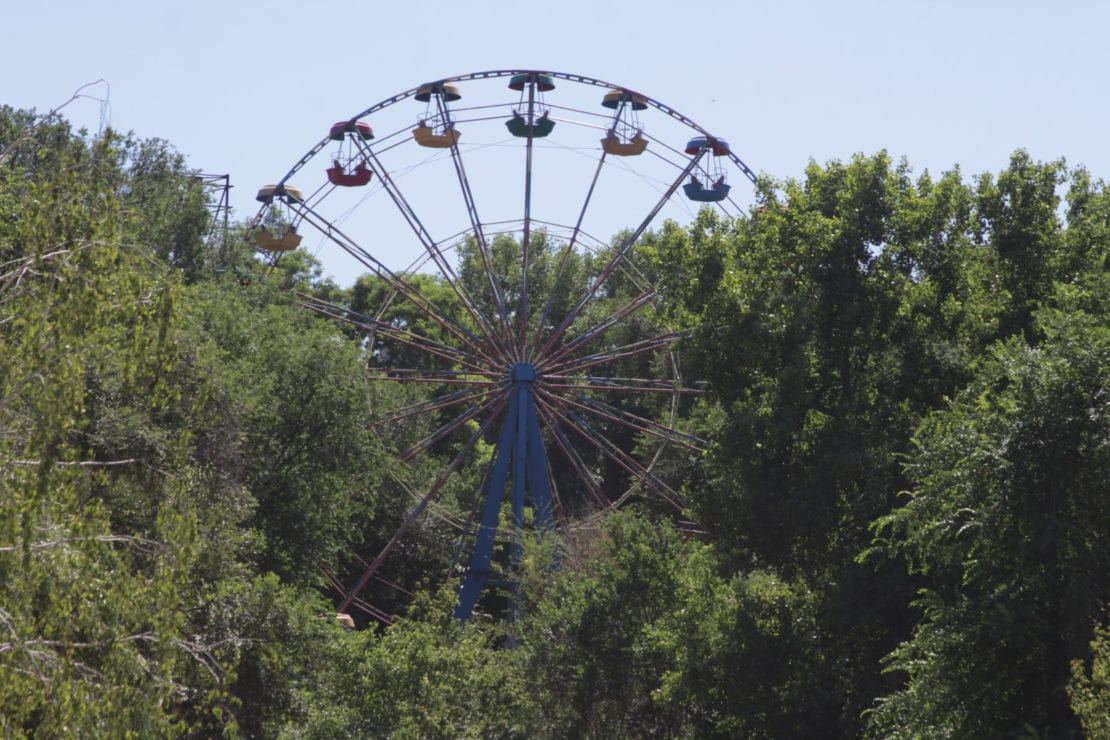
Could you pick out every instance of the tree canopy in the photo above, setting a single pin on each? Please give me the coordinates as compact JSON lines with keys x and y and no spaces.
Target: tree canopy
{"x":904,"y":499}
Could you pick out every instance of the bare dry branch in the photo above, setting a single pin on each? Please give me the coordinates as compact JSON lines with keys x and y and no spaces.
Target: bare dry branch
{"x":151,"y":544}
{"x":82,"y":464}
{"x":46,"y":117}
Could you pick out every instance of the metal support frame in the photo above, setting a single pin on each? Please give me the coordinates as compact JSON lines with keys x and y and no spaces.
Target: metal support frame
{"x":217,"y":191}
{"x":521,"y":462}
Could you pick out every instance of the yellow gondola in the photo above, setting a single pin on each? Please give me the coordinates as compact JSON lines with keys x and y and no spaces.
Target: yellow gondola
{"x":448,"y":91}
{"x":288,"y":241}
{"x":287,"y":193}
{"x":612,"y":144}
{"x":426,"y":136}
{"x":614,"y":98}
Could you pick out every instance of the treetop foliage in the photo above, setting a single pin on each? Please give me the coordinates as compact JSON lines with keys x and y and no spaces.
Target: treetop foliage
{"x":906,"y":526}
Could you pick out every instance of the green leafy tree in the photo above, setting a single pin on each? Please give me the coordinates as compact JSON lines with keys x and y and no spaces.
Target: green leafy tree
{"x":165,"y":205}
{"x":425,"y":676}
{"x":296,"y":394}
{"x":94,"y":636}
{"x":1090,"y":690}
{"x":1009,"y":521}
{"x":808,"y":319}
{"x":587,"y":646}
{"x":144,"y":423}
{"x":1018,"y":219}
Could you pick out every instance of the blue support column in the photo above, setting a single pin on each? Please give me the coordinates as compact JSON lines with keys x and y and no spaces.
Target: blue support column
{"x":520,"y":463}
{"x":480,"y":558}
{"x":521,"y":458}
{"x":539,"y":482}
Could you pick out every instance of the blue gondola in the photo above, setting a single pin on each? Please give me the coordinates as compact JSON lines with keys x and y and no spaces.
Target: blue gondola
{"x":719,"y":147}
{"x":696,"y":191}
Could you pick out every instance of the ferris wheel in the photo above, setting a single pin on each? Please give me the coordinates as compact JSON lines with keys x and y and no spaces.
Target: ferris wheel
{"x":510,"y":307}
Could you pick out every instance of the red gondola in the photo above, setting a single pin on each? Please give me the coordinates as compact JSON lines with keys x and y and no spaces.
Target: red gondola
{"x":359,"y":176}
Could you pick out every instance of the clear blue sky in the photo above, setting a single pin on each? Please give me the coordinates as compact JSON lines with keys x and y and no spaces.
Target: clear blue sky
{"x":245,"y":87}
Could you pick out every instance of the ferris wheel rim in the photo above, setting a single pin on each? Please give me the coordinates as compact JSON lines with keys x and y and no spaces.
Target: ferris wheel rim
{"x":498,"y":73}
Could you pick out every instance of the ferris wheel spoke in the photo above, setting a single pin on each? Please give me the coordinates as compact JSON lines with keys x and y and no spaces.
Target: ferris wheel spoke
{"x":623,"y":460}
{"x":377,"y":327}
{"x":636,"y":423}
{"x":593,"y":333}
{"x":526,"y":235}
{"x":364,"y":606}
{"x":385,"y":581}
{"x":431,"y":246}
{"x":642,"y":346}
{"x":551,"y":421}
{"x":620,"y":254}
{"x":372,"y":611}
{"x":334,"y":582}
{"x":476,"y":226}
{"x":568,"y":249}
{"x":429,"y":375}
{"x":428,"y":348}
{"x":436,"y":404}
{"x":436,"y":487}
{"x":562,"y":407}
{"x":444,"y":431}
{"x":403,"y":287}
{"x":631,"y":385}
{"x":403,"y":376}
{"x":395,"y":280}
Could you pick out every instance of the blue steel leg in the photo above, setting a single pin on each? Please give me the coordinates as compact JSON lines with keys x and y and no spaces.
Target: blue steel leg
{"x":521,"y":456}
{"x":539,"y":484}
{"x":478,"y":571}
{"x":520,"y":464}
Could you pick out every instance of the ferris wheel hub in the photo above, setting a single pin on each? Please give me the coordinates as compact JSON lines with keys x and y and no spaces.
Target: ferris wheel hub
{"x":523,"y":372}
